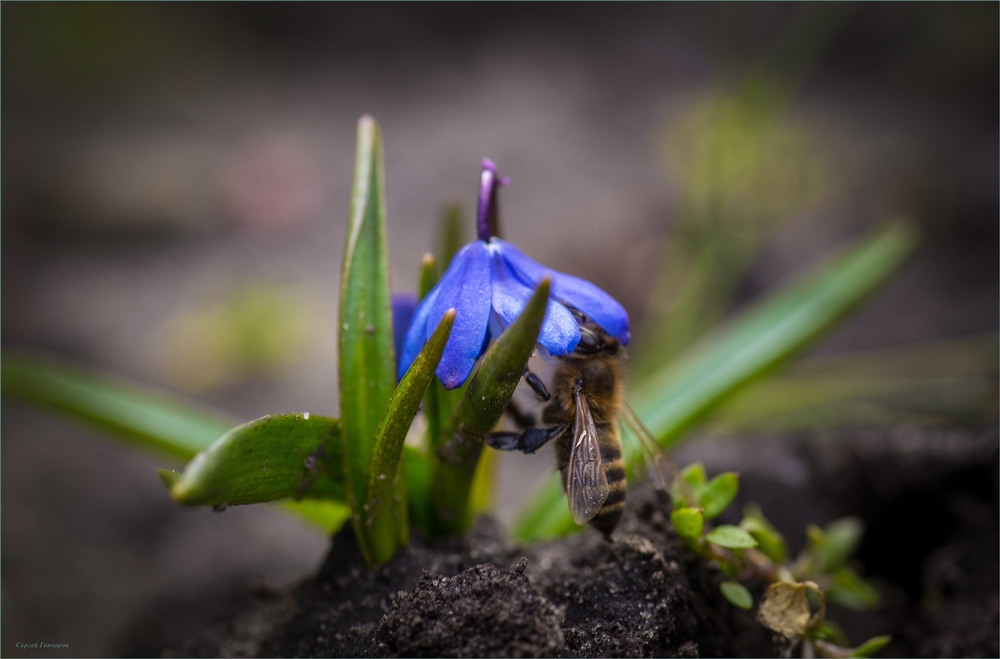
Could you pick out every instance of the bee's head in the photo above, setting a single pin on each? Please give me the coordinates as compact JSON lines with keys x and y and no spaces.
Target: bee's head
{"x":595,"y":340}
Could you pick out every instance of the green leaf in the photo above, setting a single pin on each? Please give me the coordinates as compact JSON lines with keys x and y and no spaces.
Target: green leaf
{"x":274,"y":457}
{"x":366,"y":362}
{"x":871,"y":646}
{"x":770,"y":542}
{"x":772,"y":330}
{"x":830,"y":632}
{"x":387,"y":517}
{"x":850,"y":591}
{"x":688,"y":522}
{"x":718,"y":493}
{"x":737,"y":594}
{"x":843,"y":536}
{"x":730,"y":537}
{"x":135,"y":413}
{"x":484,"y":403}
{"x":694,"y":476}
{"x":829,"y":548}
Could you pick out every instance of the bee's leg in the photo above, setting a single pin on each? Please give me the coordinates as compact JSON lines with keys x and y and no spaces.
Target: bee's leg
{"x":527,"y":441}
{"x":536,"y":385}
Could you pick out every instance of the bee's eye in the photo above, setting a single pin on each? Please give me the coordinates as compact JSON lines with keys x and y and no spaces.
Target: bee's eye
{"x":589,"y":341}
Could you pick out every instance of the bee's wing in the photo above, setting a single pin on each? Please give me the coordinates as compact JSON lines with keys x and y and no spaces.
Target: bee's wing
{"x":586,"y":482}
{"x":663,"y":468}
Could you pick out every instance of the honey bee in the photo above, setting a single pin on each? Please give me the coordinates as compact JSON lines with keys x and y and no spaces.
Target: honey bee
{"x":582,"y":416}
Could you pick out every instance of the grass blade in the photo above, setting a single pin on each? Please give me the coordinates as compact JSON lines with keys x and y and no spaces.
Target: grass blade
{"x":774,"y":329}
{"x":366,"y":362}
{"x":137,"y":414}
{"x":479,"y":411}
{"x":387,"y":526}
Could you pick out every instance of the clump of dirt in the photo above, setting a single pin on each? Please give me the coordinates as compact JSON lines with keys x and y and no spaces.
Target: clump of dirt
{"x":456,"y":609}
{"x":644,"y":594}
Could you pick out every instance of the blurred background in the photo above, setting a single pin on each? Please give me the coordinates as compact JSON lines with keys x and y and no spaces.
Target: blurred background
{"x":176,"y":184}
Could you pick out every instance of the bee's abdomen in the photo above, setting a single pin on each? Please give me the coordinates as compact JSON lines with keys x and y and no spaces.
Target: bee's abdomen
{"x":610,"y":514}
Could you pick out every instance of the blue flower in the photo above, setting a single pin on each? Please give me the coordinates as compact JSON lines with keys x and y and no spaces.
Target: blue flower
{"x":488,"y":283}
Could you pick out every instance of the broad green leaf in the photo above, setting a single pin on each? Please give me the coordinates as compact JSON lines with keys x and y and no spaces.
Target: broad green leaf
{"x":365,"y":354}
{"x":135,"y":413}
{"x":718,"y":493}
{"x":484,"y":403}
{"x":688,"y":522}
{"x":730,"y":537}
{"x":275,"y":457}
{"x":737,"y":594}
{"x":871,"y":646}
{"x":770,"y":542}
{"x":387,"y":516}
{"x":772,"y":330}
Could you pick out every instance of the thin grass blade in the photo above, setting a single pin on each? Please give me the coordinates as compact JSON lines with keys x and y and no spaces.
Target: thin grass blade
{"x":139,"y":415}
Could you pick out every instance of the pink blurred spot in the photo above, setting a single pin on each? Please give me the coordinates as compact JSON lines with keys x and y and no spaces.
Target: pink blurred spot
{"x":271,"y":182}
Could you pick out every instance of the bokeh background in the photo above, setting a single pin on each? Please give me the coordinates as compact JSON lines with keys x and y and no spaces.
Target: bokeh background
{"x":176,"y":184}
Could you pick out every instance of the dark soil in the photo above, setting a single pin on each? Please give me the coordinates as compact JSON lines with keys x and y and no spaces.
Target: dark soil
{"x":929,"y":498}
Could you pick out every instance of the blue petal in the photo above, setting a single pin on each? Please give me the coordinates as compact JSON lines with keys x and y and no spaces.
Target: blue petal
{"x":465,"y":287}
{"x":560,"y":332}
{"x":572,"y":291}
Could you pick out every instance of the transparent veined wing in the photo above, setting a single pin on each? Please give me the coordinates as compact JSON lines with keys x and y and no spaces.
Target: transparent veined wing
{"x":586,"y":483}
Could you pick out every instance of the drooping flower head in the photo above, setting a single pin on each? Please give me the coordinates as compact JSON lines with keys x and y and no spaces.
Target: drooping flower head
{"x":488,"y":283}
